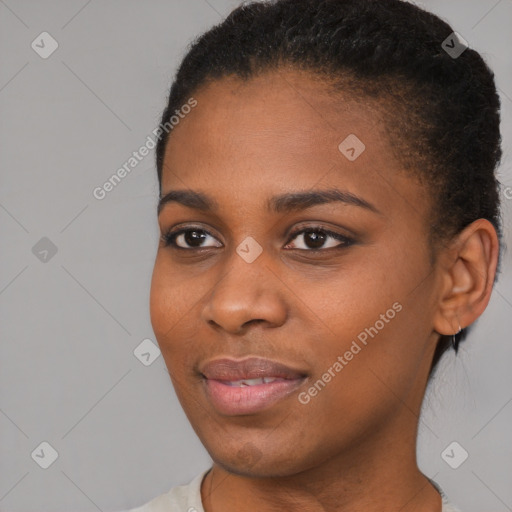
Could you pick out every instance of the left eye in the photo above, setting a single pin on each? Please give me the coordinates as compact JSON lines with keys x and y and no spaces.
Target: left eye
{"x":318,"y":238}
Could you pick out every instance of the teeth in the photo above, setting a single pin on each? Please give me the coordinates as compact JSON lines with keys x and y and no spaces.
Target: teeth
{"x":248,"y":382}
{"x":252,"y":382}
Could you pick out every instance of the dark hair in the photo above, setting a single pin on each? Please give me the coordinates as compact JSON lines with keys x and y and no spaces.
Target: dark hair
{"x":443,"y":110}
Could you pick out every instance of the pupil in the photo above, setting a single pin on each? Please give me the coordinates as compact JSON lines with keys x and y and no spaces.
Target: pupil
{"x":316,"y":238}
{"x":192,"y":237}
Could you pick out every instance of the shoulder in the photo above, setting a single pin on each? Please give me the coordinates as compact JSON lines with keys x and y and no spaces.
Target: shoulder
{"x":447,"y":507}
{"x":183,"y":498}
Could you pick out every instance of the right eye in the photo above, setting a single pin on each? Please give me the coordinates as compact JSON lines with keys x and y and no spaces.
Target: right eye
{"x":188,"y":239}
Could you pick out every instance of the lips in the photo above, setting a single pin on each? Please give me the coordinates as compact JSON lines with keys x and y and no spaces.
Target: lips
{"x":248,"y":386}
{"x":246,"y":369}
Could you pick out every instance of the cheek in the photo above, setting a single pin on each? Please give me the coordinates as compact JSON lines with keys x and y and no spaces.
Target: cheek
{"x":171,"y":303}
{"x":373,"y":320}
{"x":161,"y":305}
{"x":354,"y":297}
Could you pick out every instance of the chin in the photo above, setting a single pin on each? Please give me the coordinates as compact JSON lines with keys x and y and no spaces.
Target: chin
{"x":249,"y":460}
{"x":260,"y":469}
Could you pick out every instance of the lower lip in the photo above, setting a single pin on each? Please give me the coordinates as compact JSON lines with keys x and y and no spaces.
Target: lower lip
{"x":235,"y":400}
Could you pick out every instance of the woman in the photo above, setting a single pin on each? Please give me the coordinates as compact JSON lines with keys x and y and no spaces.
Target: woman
{"x":330,"y":226}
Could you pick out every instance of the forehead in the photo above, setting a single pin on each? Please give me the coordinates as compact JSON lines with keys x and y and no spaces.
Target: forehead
{"x":280,"y":131}
{"x":293,"y":109}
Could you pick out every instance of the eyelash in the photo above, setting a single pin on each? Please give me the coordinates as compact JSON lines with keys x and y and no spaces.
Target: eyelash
{"x":169,"y":238}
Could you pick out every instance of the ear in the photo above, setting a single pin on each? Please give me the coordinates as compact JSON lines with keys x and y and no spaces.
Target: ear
{"x":468,"y":271}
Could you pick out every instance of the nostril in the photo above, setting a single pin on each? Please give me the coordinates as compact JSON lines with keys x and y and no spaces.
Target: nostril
{"x":255,"y":320}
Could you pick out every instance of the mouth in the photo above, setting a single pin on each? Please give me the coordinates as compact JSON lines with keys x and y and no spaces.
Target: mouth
{"x":248,"y":386}
{"x":251,"y":382}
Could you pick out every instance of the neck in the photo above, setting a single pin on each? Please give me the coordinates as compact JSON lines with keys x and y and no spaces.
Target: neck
{"x":377,"y":475}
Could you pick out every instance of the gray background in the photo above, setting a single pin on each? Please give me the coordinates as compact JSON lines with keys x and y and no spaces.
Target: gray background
{"x":70,"y":324}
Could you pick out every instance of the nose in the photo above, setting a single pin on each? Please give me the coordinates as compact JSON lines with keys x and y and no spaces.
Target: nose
{"x":246,"y":294}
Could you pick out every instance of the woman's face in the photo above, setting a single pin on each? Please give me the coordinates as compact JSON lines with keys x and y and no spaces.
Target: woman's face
{"x":338,"y":289}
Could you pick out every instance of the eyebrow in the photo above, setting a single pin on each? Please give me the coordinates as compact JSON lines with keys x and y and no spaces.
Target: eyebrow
{"x":292,"y":201}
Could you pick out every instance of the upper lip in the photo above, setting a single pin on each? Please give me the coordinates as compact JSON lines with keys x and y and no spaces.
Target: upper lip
{"x":249,"y":368}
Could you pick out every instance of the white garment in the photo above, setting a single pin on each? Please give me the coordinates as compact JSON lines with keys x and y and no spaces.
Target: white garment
{"x":187,"y":498}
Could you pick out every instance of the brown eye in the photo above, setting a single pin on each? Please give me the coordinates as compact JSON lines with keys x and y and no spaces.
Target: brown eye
{"x":190,"y":238}
{"x":316,"y":238}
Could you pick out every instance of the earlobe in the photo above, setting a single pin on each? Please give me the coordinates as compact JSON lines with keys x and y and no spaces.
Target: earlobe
{"x":468,"y":277}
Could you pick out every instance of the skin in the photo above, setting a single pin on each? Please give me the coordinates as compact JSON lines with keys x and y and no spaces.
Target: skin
{"x":353,"y":445}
